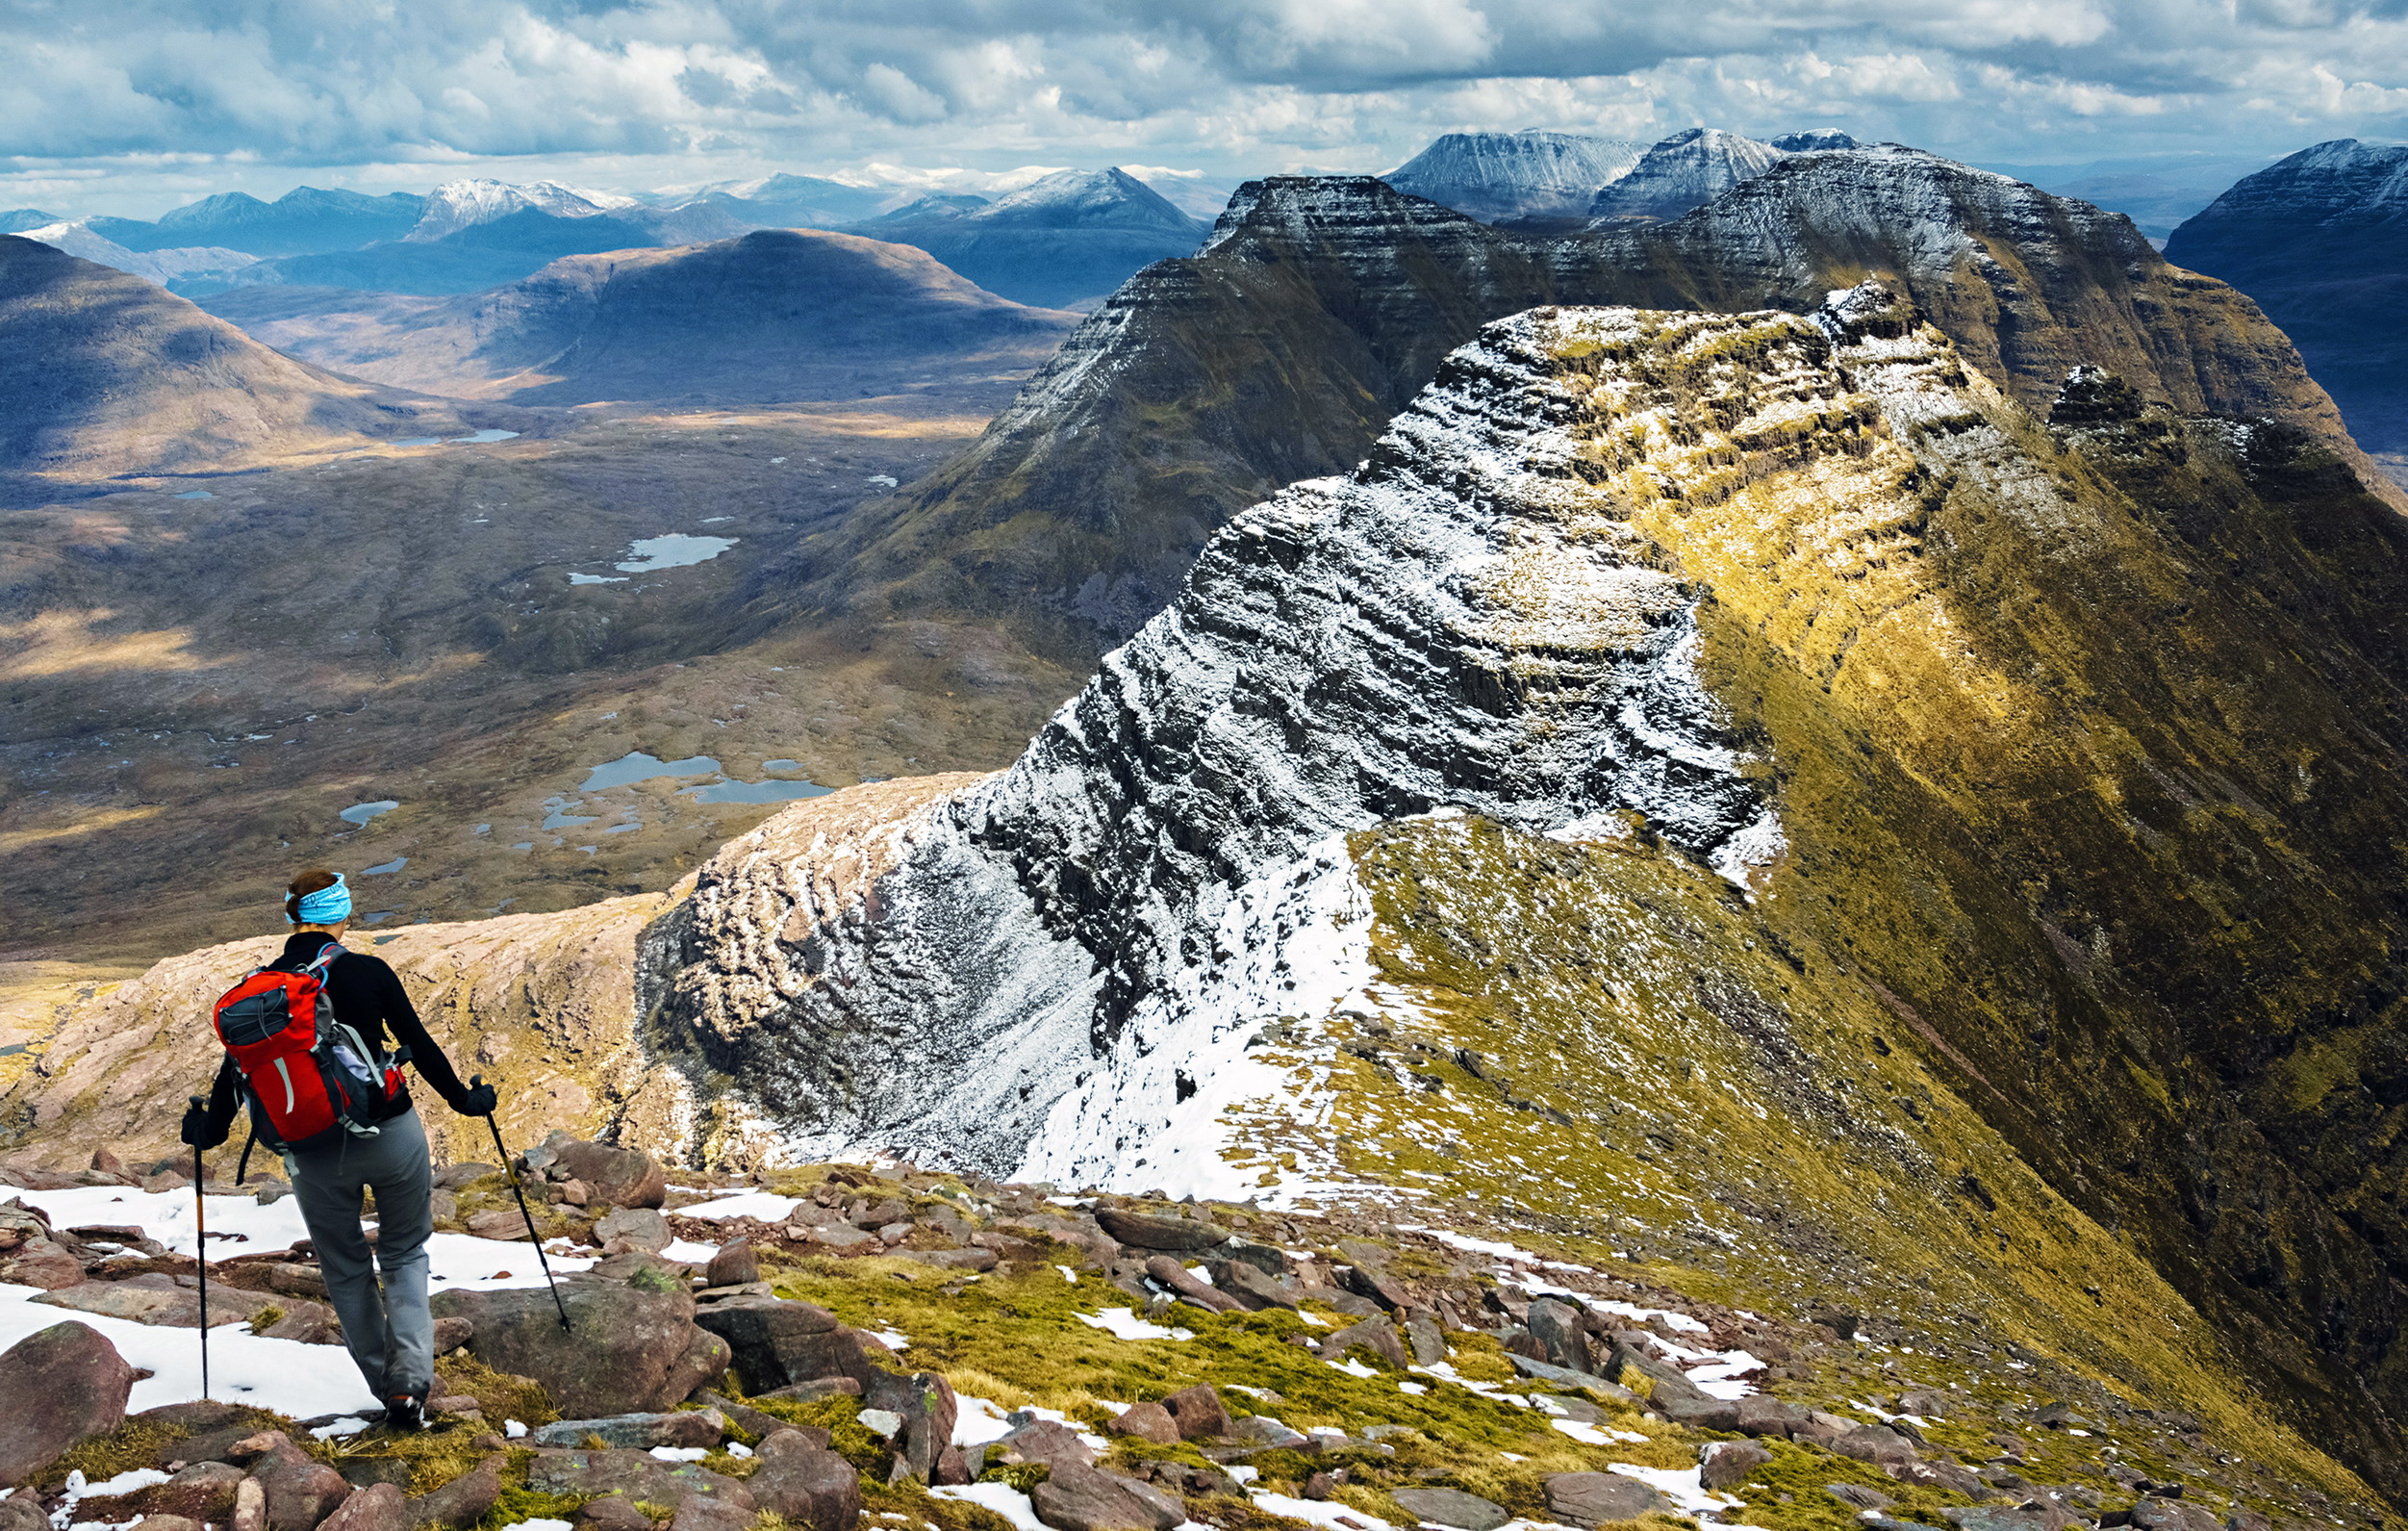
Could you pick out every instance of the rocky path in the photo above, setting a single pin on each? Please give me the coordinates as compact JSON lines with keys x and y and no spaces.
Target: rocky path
{"x":840,"y":1345}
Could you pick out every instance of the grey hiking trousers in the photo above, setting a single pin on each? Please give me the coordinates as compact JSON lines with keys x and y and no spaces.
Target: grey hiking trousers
{"x":390,"y":1333}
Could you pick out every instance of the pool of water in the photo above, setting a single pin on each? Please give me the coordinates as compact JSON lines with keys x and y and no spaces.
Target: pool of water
{"x":637,"y":766}
{"x":393,"y":865}
{"x":197,"y":494}
{"x":673,"y":550}
{"x":756,"y":791}
{"x":558,"y":816}
{"x":362,"y":812}
{"x":598,"y":580}
{"x":488,"y":434}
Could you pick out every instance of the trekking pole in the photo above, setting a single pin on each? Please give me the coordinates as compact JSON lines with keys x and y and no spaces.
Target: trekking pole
{"x":533,"y":1237}
{"x":200,"y":1253}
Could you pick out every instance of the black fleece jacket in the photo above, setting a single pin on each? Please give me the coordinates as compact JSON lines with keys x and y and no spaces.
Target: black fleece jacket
{"x":369,"y":999}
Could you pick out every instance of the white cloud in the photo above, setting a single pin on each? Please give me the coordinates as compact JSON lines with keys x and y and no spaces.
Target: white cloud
{"x":173,"y":98}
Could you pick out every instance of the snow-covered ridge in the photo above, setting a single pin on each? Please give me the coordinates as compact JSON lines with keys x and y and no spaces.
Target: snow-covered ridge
{"x":1497,"y":177}
{"x":162,"y":266}
{"x":1072,"y":952}
{"x":466,"y":203}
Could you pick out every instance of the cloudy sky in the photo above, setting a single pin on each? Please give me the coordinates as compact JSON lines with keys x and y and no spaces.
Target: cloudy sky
{"x":133,"y":106}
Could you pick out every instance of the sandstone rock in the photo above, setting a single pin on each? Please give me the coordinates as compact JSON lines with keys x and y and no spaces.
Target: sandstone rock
{"x":776,"y":1343}
{"x":170,"y":1522}
{"x":1875,"y":1444}
{"x":464,"y":1501}
{"x":1856,"y":1497}
{"x":381,"y":1507}
{"x":1452,"y":1507}
{"x":41,"y":1262}
{"x":610,"y":1513}
{"x":202,"y":1492}
{"x":697,"y":1427}
{"x":2155,"y":1513}
{"x":814,"y":1389}
{"x":1760,"y":1414}
{"x":620,"y":1177}
{"x":1252,"y":1288}
{"x":1200,"y":1412}
{"x":928,"y":1410}
{"x":296,"y":1280}
{"x":301,"y":1490}
{"x":1171,"y":1235}
{"x":1148,"y":1421}
{"x":1426,"y":1340}
{"x":19,"y":1513}
{"x":453,"y":1177}
{"x":635,"y":1228}
{"x":250,"y":1506}
{"x":1268,"y":1430}
{"x":1549,"y":1372}
{"x":702,"y":1512}
{"x":1077,"y":1497}
{"x":497,"y":1222}
{"x":1555,"y":1325}
{"x":978,"y":1260}
{"x":1944,"y":1476}
{"x":625,"y":1348}
{"x":807,"y":1484}
{"x":1185,"y":1284}
{"x":636,"y":1474}
{"x":1590,"y":1498}
{"x":1045,"y":1441}
{"x":1636,"y":1367}
{"x":1700,"y":1413}
{"x":734,"y":1265}
{"x":2001,"y":1517}
{"x":58,"y":1386}
{"x":1726,"y":1463}
{"x":1376,"y":1335}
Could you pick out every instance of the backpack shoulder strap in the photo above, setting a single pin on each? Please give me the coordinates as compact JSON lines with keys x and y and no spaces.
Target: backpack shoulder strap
{"x":325,"y":957}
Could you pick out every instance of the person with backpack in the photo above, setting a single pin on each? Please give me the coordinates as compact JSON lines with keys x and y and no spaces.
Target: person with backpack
{"x":305,"y":1041}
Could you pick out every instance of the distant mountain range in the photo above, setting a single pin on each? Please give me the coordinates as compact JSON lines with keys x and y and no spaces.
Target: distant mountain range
{"x":2321,"y":240}
{"x":1071,"y":237}
{"x":771,"y":315}
{"x":103,"y":374}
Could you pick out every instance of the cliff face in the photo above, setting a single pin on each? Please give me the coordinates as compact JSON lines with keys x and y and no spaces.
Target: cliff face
{"x":1321,"y":305}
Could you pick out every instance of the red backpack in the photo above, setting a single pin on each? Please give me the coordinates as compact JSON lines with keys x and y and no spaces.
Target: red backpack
{"x":309,"y":1077}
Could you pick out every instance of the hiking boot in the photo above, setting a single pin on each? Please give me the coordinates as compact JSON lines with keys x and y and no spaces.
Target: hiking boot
{"x":405,"y":1412}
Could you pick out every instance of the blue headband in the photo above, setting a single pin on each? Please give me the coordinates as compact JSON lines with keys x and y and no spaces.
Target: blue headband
{"x":325,"y":906}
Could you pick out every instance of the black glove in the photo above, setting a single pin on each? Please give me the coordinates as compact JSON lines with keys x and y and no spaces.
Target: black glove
{"x":199,"y":1132}
{"x":478,"y":1100}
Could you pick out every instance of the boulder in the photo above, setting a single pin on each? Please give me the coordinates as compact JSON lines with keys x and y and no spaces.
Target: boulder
{"x":1589,"y":1382}
{"x":1200,"y":1412}
{"x":463,"y":1501}
{"x":610,"y":1513}
{"x":697,"y":1427}
{"x":1855,"y":1495}
{"x":620,"y":1177}
{"x":59,"y":1387}
{"x":381,"y":1507}
{"x":40,"y":1263}
{"x":1252,"y":1287}
{"x":1726,"y":1463}
{"x":625,"y":1348}
{"x":1185,"y":1284}
{"x":1425,"y":1337}
{"x":2038,"y":1516}
{"x":1176,"y":1236}
{"x":1376,"y":1335}
{"x":1636,"y":1368}
{"x":636,"y":1474}
{"x":1555,"y":1324}
{"x":702,"y":1512}
{"x":202,"y":1492}
{"x":1045,"y":1441}
{"x":301,"y":1490}
{"x":1148,"y":1421}
{"x":1453,"y":1506}
{"x":925,"y":1405}
{"x":1760,"y":1414}
{"x":775,"y":1343}
{"x":1077,"y":1497}
{"x":806,"y":1483}
{"x":736,"y":1264}
{"x":1873,"y":1444}
{"x":1269,"y":1432}
{"x":1944,"y":1476}
{"x":1700,"y":1413}
{"x":1592,"y":1498}
{"x":497,"y":1222}
{"x":2155,"y":1513}
{"x":311,"y":1323}
{"x":978,"y":1260}
{"x":635,"y":1228}
{"x":19,"y":1513}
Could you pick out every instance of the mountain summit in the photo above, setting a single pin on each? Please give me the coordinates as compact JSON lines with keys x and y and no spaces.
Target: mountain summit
{"x":1690,"y":168}
{"x":1511,"y":178}
{"x":1066,"y":238}
{"x":2317,"y":239}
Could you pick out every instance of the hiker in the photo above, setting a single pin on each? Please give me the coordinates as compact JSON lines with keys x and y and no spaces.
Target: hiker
{"x":352,"y":1125}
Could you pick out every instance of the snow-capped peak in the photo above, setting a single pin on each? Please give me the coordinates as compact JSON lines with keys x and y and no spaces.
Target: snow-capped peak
{"x":153,"y":265}
{"x":1501,"y":177}
{"x":1086,"y":198}
{"x":466,"y":203}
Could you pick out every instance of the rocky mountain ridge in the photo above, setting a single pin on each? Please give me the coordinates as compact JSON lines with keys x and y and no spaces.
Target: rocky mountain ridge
{"x":1690,"y":168}
{"x":1734,"y":791}
{"x":1320,"y":305}
{"x":1506,"y":178}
